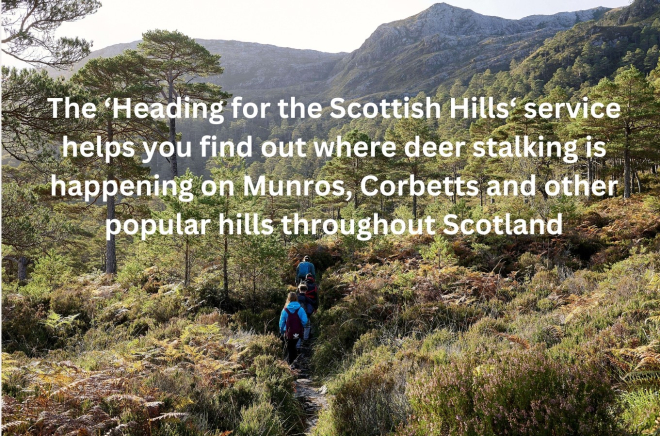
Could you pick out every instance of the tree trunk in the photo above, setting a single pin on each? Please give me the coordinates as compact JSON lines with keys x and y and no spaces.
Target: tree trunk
{"x":225,"y":268}
{"x":111,"y":244}
{"x":22,"y":268}
{"x":590,"y":175}
{"x":414,"y":206}
{"x":172,"y":128}
{"x":627,"y":176}
{"x":454,"y":197}
{"x":186,"y":280}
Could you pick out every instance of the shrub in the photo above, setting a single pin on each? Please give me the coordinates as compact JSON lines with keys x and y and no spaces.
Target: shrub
{"x":368,"y":401}
{"x":340,"y":327}
{"x":52,"y":270}
{"x":641,"y":411}
{"x":549,"y":335}
{"x":130,"y":274}
{"x":441,"y":251}
{"x":488,"y":325}
{"x":437,"y":344}
{"x":163,"y":307}
{"x":528,"y":263}
{"x":525,"y":302}
{"x":582,"y":282}
{"x":545,"y":281}
{"x":230,"y":402}
{"x":518,"y":393}
{"x":367,"y":342}
{"x":267,"y":345}
{"x":276,"y":381}
{"x":430,"y":316}
{"x":266,"y":321}
{"x":259,"y":420}
{"x":23,"y":325}
{"x":73,"y":301}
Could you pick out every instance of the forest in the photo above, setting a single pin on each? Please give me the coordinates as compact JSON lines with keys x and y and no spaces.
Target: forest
{"x":176,"y":332}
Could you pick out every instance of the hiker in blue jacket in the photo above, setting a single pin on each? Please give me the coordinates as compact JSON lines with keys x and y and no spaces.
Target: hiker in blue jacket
{"x":305,"y":267}
{"x":292,"y":323}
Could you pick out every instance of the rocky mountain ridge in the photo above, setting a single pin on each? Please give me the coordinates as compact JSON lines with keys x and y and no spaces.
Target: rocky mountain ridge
{"x":406,"y":56}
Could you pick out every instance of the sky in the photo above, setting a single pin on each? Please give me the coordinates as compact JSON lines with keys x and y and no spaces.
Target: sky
{"x":330,"y":25}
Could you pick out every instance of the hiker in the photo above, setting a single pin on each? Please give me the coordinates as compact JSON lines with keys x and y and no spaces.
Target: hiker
{"x":308,"y":301}
{"x":312,"y":292}
{"x":292,"y":323}
{"x":305,"y":267}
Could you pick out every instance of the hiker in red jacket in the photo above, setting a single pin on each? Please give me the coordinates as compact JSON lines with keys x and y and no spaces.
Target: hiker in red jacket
{"x":306,"y":304}
{"x":312,"y":292}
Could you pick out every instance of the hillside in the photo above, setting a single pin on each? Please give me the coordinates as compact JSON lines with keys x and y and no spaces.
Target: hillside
{"x":436,"y":47}
{"x":252,"y":69}
{"x":406,"y":56}
{"x":404,"y":334}
{"x":439,"y":44}
{"x":590,"y":51}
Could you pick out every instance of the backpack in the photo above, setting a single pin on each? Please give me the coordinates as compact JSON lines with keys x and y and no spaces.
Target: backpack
{"x":312,"y":294}
{"x":294,"y":327}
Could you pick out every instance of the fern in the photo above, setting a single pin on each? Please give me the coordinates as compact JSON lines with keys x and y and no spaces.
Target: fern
{"x":515,"y":340}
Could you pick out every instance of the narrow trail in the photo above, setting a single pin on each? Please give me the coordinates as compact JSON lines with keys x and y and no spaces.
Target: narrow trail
{"x":312,"y":397}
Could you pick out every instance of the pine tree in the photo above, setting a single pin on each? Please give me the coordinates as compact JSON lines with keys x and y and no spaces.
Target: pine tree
{"x":29,"y":28}
{"x":29,"y":225}
{"x":232,"y":168}
{"x":29,"y":130}
{"x":117,"y":77}
{"x":350,"y":169}
{"x":405,"y":130}
{"x":630,"y":133}
{"x":174,"y":63}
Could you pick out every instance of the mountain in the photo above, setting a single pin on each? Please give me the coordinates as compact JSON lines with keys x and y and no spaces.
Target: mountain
{"x":251,"y":68}
{"x":592,"y":50}
{"x":406,"y":56}
{"x":442,"y":43}
{"x":435,"y":47}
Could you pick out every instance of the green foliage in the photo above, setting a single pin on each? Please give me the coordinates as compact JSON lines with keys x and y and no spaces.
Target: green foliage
{"x":415,"y":335}
{"x":22,"y":321}
{"x":440,"y":251}
{"x":131,"y":274}
{"x":259,"y":419}
{"x":50,"y":272}
{"x":173,"y":60}
{"x":641,"y":409}
{"x":29,"y":29}
{"x":369,"y":398}
{"x":517,"y":393}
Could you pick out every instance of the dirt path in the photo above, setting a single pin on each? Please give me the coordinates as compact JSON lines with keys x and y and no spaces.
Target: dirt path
{"x":312,"y":397}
